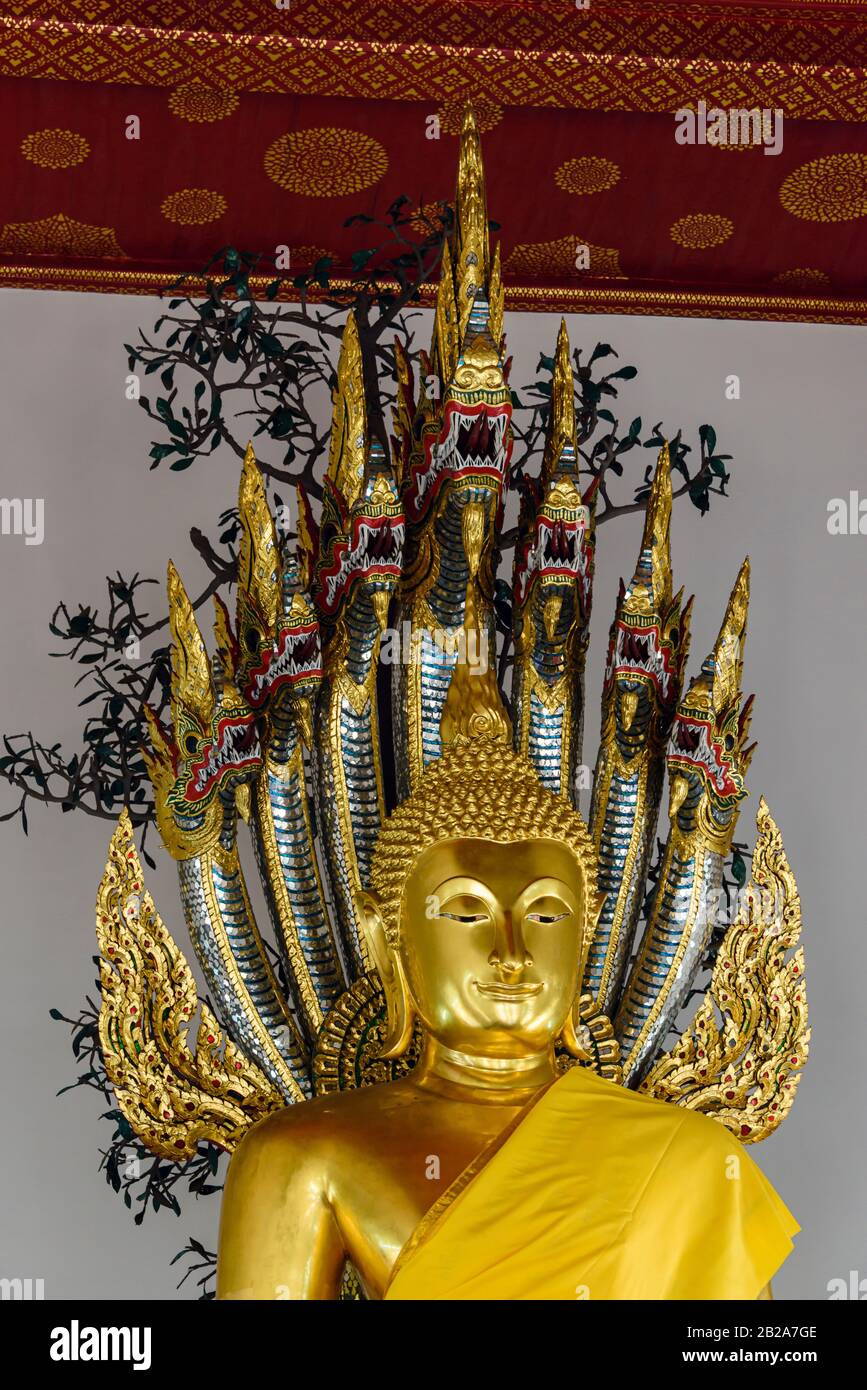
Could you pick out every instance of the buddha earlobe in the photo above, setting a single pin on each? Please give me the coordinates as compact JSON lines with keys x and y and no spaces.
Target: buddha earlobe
{"x":389,"y":967}
{"x":571,"y":1041}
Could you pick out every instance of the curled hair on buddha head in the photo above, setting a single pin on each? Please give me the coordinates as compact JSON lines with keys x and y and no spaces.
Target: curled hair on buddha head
{"x":480,"y":788}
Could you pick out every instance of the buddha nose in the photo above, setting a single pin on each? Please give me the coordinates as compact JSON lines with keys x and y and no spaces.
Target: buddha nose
{"x":509,"y":956}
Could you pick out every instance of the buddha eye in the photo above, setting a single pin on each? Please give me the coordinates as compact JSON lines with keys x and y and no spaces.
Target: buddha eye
{"x":547,"y":910}
{"x":468,"y":910}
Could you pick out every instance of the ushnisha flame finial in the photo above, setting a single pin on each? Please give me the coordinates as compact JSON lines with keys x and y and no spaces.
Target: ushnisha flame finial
{"x":473,"y":707}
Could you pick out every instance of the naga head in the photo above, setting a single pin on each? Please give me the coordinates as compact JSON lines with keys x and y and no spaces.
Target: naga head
{"x":464,"y":443}
{"x":708,"y":757}
{"x":650,"y":636}
{"x":213,"y":747}
{"x":357,"y":546}
{"x":276,"y":653}
{"x":555,"y":550}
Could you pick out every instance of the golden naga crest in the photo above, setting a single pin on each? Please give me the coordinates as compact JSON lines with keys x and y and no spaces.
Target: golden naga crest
{"x":280,"y":734}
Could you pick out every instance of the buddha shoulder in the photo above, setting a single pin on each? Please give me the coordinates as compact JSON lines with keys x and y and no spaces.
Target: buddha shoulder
{"x":319,"y":1134}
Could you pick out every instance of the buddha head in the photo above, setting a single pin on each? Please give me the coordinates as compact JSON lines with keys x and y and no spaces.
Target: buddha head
{"x":483,"y":901}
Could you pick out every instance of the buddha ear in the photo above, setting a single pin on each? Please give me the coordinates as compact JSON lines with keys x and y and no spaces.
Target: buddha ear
{"x":389,"y":967}
{"x":571,"y":1041}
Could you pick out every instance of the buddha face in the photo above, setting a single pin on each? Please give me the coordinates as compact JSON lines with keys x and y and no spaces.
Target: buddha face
{"x":491,"y":943}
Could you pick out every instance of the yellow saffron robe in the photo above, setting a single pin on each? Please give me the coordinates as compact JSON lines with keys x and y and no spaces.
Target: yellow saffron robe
{"x":597,"y":1192}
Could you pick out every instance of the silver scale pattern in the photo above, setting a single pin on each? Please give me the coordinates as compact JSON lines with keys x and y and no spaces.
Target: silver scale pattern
{"x":233,"y":930}
{"x":668,"y":923}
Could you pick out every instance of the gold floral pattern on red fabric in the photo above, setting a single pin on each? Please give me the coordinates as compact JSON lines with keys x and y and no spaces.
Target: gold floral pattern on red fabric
{"x":428,"y":217}
{"x":803,"y":278}
{"x":698,"y":231}
{"x":325,"y":161}
{"x":193,"y":207}
{"x":616,"y":57}
{"x":195,"y":101}
{"x":488,"y":113}
{"x":560,"y":259}
{"x":55,"y":148}
{"x":830,"y":189}
{"x":60,"y":235}
{"x":589,"y":173}
{"x":305,"y":256}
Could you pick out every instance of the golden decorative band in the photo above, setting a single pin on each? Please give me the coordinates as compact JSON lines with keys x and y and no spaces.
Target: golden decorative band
{"x":577,"y":299}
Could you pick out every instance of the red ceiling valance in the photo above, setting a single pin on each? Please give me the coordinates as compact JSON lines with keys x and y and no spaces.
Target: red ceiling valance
{"x":263,"y":126}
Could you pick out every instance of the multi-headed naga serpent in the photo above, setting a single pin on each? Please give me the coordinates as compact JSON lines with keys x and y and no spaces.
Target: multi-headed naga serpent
{"x":285,"y":728}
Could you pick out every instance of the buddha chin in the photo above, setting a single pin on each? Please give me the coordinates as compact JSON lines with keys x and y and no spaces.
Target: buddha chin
{"x":494,"y":1169}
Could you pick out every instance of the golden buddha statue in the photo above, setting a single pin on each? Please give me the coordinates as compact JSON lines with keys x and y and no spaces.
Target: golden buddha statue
{"x":471,"y":1078}
{"x":488,"y":1171}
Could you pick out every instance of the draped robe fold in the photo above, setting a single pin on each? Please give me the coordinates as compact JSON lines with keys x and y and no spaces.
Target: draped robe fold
{"x":598,"y":1192}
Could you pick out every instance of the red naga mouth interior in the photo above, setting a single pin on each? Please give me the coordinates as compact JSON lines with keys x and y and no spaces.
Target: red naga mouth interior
{"x":560,"y":541}
{"x":634,"y":650}
{"x":236,"y":747}
{"x":685,"y":738}
{"x":693,"y":745}
{"x":478,"y":438}
{"x":296,"y":657}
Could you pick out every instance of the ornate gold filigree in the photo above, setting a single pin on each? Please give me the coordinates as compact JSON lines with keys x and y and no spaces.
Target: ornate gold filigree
{"x":830,"y":189}
{"x":587,"y":174}
{"x":472,"y":252}
{"x":803,"y":278}
{"x":60,"y":235}
{"x":351,"y":1039}
{"x":596,"y":1035}
{"x":325,"y":161}
{"x":195,"y":101}
{"x":744,"y":1070}
{"x":173,"y":1098}
{"x":487,"y":113}
{"x":348,"y":447}
{"x":561,"y":258}
{"x":55,"y":148}
{"x":698,"y":231}
{"x":193,"y":207}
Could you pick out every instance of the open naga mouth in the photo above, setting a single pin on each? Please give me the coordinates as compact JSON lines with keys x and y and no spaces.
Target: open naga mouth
{"x":376,"y":549}
{"x":296,"y":657}
{"x":640,"y":655}
{"x":236,"y":749}
{"x":470,"y":446}
{"x":478,"y":440}
{"x":558,"y":549}
{"x":692,"y":747}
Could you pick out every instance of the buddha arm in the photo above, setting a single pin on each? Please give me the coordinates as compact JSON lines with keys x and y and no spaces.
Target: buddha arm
{"x":278,"y":1235}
